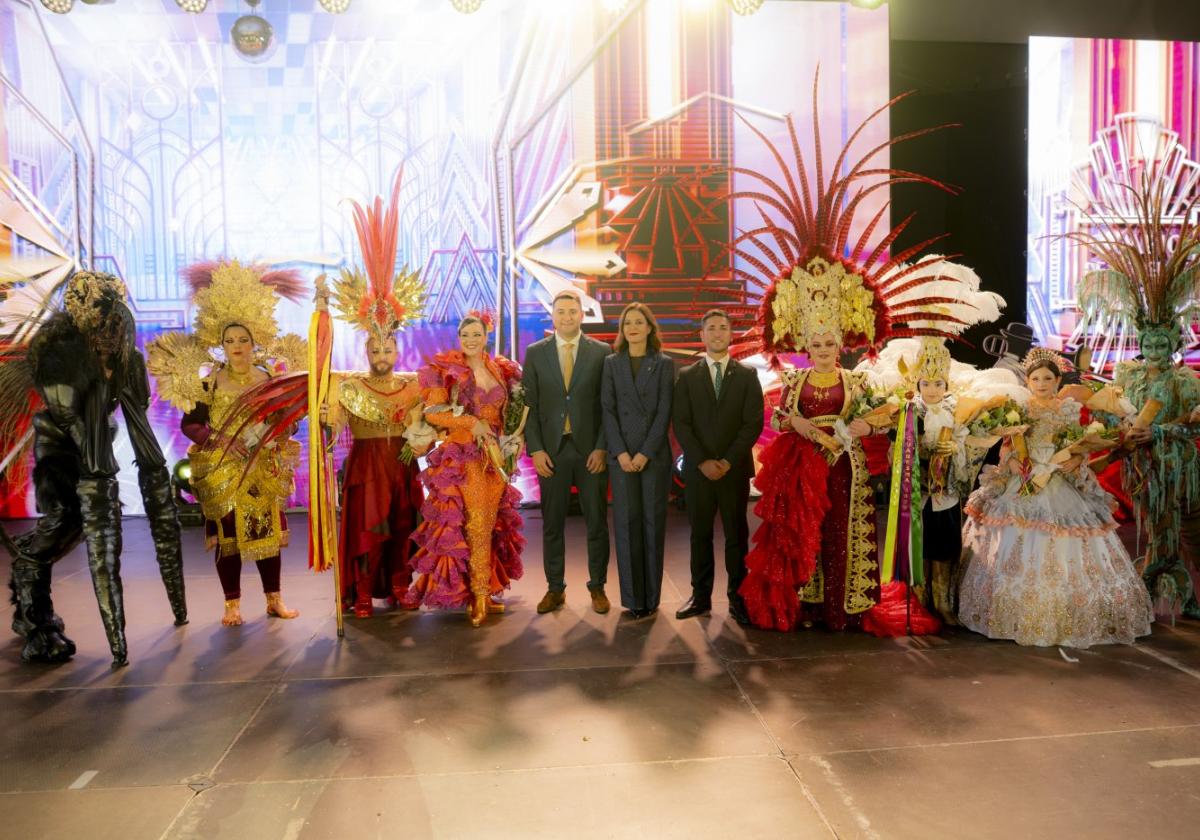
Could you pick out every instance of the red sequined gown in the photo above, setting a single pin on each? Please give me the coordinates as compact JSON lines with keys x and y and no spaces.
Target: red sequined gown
{"x":814,"y":555}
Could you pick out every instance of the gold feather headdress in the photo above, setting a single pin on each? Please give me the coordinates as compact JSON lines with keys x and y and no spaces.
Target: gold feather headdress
{"x":224,"y":294}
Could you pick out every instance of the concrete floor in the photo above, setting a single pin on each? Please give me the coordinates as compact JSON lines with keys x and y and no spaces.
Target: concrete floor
{"x":578,"y":725}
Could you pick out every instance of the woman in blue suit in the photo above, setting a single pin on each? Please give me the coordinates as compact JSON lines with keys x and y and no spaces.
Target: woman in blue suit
{"x":635,"y":395}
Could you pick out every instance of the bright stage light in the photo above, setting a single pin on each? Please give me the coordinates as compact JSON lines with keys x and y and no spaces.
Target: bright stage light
{"x":335,"y":7}
{"x":193,"y":6}
{"x":59,"y":7}
{"x":867,"y":4}
{"x":466,"y":6}
{"x":615,"y":6}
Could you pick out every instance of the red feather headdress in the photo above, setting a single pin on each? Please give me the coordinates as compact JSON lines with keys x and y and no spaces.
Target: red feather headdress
{"x":801,"y":267}
{"x":377,"y":299}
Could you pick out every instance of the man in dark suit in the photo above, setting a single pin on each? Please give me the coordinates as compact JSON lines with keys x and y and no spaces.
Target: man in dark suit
{"x":565,"y":438}
{"x":718,"y":415}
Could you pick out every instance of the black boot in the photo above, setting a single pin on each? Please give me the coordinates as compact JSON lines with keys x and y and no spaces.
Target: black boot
{"x":33,"y":613}
{"x":164,"y":527}
{"x":101,"y":510}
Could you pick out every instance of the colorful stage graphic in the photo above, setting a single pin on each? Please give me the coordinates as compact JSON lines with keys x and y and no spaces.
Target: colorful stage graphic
{"x":1101,"y":112}
{"x":546,"y":143}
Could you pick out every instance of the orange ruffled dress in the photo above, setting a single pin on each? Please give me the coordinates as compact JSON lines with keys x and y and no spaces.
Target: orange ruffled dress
{"x":470,"y":541}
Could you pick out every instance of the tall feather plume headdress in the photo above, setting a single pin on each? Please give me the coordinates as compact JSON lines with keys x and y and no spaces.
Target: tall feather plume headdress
{"x":1146,"y":232}
{"x":810,"y":277}
{"x":377,"y":299}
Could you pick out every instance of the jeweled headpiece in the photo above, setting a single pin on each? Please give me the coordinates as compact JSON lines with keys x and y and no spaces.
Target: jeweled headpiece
{"x":821,"y":298}
{"x":1044,"y":354}
{"x":381,"y":300}
{"x":816,"y":278}
{"x":932,"y":363}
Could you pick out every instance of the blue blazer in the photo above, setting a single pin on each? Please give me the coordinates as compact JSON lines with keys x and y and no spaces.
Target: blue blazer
{"x":637,"y":411}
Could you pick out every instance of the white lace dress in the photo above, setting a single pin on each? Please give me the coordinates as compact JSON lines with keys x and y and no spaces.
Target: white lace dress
{"x":1048,"y":568}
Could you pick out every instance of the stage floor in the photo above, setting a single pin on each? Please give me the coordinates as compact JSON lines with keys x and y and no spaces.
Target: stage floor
{"x":578,"y":725}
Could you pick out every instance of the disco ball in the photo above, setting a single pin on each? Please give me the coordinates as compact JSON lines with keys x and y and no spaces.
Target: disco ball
{"x":193,"y":6}
{"x":335,"y":7}
{"x":59,"y":7}
{"x":252,"y":36}
{"x":466,"y":6}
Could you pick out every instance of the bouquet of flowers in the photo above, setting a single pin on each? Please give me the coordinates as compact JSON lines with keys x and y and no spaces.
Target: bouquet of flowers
{"x":516,"y":412}
{"x":877,"y":407}
{"x":1074,"y":440}
{"x":1003,"y":420}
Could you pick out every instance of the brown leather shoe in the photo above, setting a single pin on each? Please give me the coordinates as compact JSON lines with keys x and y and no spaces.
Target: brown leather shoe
{"x":550,"y":602}
{"x":600,"y":601}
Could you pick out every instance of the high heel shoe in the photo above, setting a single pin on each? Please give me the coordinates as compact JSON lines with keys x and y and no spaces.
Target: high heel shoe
{"x":494,"y":607}
{"x":277,"y":609}
{"x":233,"y":613}
{"x":477,"y":613}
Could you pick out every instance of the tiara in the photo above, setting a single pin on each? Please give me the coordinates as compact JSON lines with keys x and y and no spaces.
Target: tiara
{"x":1044,"y":354}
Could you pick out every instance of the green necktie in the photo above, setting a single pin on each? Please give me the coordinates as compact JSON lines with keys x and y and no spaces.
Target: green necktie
{"x":717,"y":381}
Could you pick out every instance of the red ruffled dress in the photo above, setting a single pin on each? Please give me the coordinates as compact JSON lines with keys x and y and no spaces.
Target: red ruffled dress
{"x":470,"y":540}
{"x":814,"y":555}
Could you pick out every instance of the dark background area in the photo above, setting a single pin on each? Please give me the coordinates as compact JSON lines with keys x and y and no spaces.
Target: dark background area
{"x":967,"y":61}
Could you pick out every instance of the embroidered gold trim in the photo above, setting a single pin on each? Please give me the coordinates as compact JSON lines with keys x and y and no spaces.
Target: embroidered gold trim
{"x":860,"y":535}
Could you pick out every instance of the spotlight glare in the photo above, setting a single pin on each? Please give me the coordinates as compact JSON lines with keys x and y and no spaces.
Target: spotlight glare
{"x":466,"y":6}
{"x":193,"y":6}
{"x":59,"y":7}
{"x":867,"y":4}
{"x":335,"y":7}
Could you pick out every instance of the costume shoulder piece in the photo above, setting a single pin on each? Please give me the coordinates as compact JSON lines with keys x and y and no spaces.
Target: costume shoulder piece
{"x":179,"y":364}
{"x":360,"y":400}
{"x":794,"y":378}
{"x":510,"y":370}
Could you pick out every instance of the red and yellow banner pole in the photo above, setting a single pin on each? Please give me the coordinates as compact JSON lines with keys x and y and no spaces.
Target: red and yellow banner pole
{"x":322,"y":481}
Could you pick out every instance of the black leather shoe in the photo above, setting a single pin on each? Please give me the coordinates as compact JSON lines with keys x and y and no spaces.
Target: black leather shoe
{"x":737,"y":611}
{"x":693,"y":608}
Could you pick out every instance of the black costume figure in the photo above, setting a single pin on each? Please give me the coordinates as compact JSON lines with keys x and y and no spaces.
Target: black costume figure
{"x":83,"y":364}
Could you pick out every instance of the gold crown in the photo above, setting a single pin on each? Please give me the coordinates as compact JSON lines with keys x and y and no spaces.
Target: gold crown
{"x":85,"y":290}
{"x":820,"y":298}
{"x":236,"y":295}
{"x":933,"y":362}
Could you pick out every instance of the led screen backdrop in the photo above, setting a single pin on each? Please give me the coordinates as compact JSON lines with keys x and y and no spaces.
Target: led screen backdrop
{"x":545,"y":143}
{"x":1100,"y":111}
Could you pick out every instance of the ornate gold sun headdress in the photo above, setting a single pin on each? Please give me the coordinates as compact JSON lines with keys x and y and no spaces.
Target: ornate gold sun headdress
{"x":224,"y":294}
{"x":235,"y":294}
{"x":85,"y":290}
{"x":821,"y":298}
{"x":1044,"y":354}
{"x":376,"y":300}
